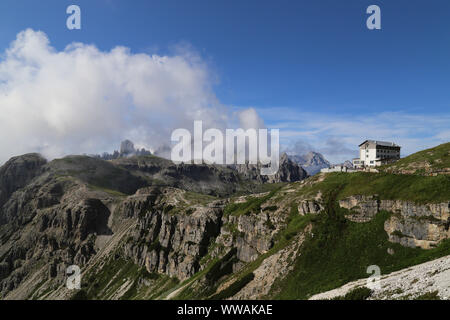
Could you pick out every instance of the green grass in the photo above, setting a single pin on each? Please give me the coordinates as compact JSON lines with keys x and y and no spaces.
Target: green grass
{"x":234,"y":288}
{"x":217,"y":269}
{"x":360,"y":293}
{"x":413,"y":188}
{"x":429,"y":296}
{"x":295,"y":224}
{"x":437,"y":157}
{"x":103,"y":282}
{"x":251,"y":206}
{"x":80,"y":295}
{"x":339,"y":251}
{"x":111,"y":192}
{"x":198,"y":198}
{"x":97,"y":173}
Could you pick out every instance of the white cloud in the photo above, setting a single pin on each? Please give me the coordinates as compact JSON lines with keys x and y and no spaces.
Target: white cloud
{"x":83,"y":100}
{"x":249,"y":118}
{"x":337,"y":136}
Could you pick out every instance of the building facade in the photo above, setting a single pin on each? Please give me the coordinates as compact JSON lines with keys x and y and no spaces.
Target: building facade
{"x":374,"y":153}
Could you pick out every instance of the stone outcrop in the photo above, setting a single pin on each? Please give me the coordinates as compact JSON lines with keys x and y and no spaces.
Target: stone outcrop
{"x":412,"y":225}
{"x":55,"y":230}
{"x":310,"y":207}
{"x":271,"y":269}
{"x":251,"y":235}
{"x":18,"y":172}
{"x":365,"y":207}
{"x":174,"y":242}
{"x":289,"y":171}
{"x":169,"y":243}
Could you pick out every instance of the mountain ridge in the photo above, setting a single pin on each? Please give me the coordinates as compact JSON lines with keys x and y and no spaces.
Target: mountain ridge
{"x":312,"y":162}
{"x":154,"y":241}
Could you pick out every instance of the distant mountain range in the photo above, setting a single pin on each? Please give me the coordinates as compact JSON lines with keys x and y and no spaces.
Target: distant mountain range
{"x":127,"y":149}
{"x":312,"y":162}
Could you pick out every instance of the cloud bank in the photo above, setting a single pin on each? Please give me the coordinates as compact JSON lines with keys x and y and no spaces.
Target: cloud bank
{"x":337,"y":136}
{"x":83,"y":100}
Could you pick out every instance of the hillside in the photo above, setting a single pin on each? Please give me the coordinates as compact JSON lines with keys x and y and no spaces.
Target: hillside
{"x":289,"y":240}
{"x":427,"y":162}
{"x":427,"y":281}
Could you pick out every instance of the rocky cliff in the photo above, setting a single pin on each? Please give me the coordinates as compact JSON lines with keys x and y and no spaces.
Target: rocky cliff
{"x":412,"y":225}
{"x":289,"y":171}
{"x":311,"y":162}
{"x":17,"y":173}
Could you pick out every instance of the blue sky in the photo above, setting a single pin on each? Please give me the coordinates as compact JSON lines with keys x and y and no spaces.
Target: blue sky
{"x":311,"y":68}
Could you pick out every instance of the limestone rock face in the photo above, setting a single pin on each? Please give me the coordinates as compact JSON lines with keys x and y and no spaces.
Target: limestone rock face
{"x":127,"y":147}
{"x":310,"y":207}
{"x":18,"y":172}
{"x":252,"y":234}
{"x":53,"y":224}
{"x":272,"y":268}
{"x":288,"y":171}
{"x":312,"y":162}
{"x":412,"y":225}
{"x":252,"y":237}
{"x":166,"y":242}
{"x":365,"y":206}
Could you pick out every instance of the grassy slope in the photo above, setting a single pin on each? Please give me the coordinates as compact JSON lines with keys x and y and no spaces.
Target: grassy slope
{"x":419,"y":189}
{"x":104,"y":282}
{"x":341,"y":251}
{"x":97,"y":173}
{"x":436,"y":158}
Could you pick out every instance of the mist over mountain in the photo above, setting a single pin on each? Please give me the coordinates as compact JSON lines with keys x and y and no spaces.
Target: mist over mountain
{"x":127,"y":149}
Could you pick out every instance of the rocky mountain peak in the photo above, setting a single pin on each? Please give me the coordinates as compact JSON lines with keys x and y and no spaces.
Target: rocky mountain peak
{"x":284,"y":158}
{"x":312,"y":161}
{"x":127,"y":147}
{"x":18,"y":172}
{"x":315,"y":159}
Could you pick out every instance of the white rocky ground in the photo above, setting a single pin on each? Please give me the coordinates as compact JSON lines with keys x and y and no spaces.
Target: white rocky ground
{"x":408,"y":283}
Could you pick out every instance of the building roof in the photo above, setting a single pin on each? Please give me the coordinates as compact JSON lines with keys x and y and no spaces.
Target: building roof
{"x":380,"y":143}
